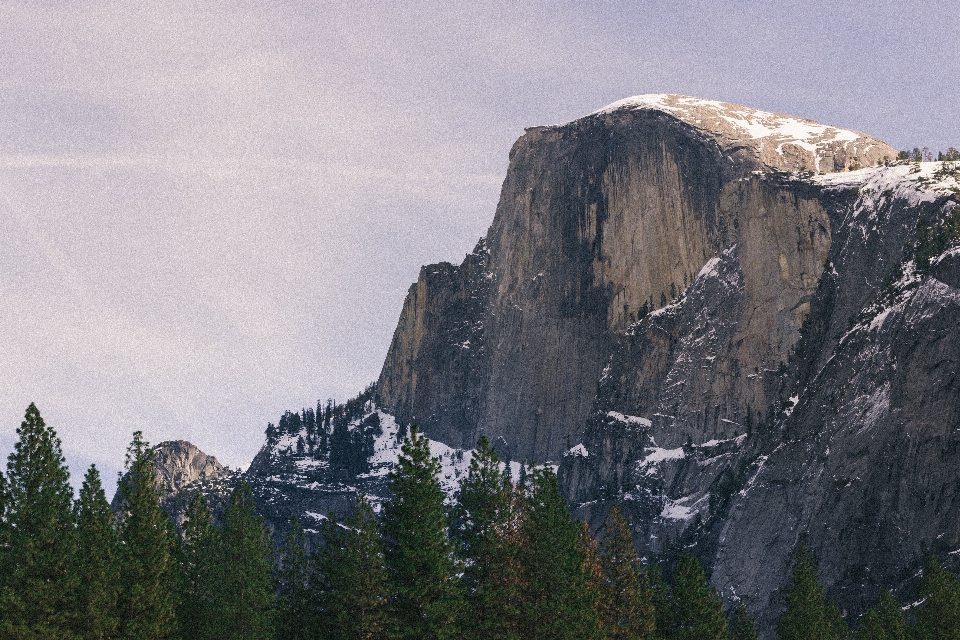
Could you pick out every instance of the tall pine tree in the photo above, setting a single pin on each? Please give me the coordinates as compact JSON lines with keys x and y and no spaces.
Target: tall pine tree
{"x":294,"y":617}
{"x":199,"y":559}
{"x":557,"y":602}
{"x":809,"y":615}
{"x":37,"y":581}
{"x":486,"y":525}
{"x":883,"y":621}
{"x":426,"y":596}
{"x":149,"y":578}
{"x":697,"y":610}
{"x":939,"y":617}
{"x":349,"y":582}
{"x":743,"y":627}
{"x":626,"y":610}
{"x":97,"y":568}
{"x":243,"y":597}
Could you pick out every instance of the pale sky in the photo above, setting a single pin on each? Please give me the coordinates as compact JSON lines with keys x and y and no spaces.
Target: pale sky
{"x":211,"y":212}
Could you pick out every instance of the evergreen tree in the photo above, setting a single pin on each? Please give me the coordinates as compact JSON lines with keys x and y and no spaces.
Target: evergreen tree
{"x":148,"y":571}
{"x":697,"y":609}
{"x":37,"y":581}
{"x":743,"y":625}
{"x":939,"y":618}
{"x":426,"y":596}
{"x":349,"y":583}
{"x":294,"y":618}
{"x":626,"y":609}
{"x":809,"y":615}
{"x":661,"y":602}
{"x":592,"y":570}
{"x":883,"y":621}
{"x":196,"y":613}
{"x":243,"y":598}
{"x":557,"y":602}
{"x":487,"y":528}
{"x":98,"y":571}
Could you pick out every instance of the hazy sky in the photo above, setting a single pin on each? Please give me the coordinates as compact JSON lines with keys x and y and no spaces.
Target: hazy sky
{"x":211,"y":212}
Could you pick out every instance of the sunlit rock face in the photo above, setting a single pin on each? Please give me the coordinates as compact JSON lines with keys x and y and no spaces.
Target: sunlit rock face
{"x":182,"y":471}
{"x":599,"y":221}
{"x":714,"y":317}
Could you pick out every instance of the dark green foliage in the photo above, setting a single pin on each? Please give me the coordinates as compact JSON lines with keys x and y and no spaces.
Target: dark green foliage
{"x":293,"y":602}
{"x":939,"y":617}
{"x":97,"y":568}
{"x":37,"y":582}
{"x":349,"y":584}
{"x":933,"y":237}
{"x":883,"y":621}
{"x":557,"y":602}
{"x":743,"y":627}
{"x":351,"y":449}
{"x":809,"y":615}
{"x":487,"y":528}
{"x":199,"y":559}
{"x":696,"y":609}
{"x":661,"y":601}
{"x":426,"y":598}
{"x":243,"y":598}
{"x":626,"y":609}
{"x":148,"y":571}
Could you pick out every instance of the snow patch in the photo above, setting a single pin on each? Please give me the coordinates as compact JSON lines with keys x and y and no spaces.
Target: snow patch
{"x":578,"y":450}
{"x":630,"y":420}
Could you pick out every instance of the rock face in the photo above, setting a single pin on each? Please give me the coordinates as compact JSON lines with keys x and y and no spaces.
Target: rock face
{"x":183,"y":470}
{"x":741,"y":327}
{"x":600,"y":220}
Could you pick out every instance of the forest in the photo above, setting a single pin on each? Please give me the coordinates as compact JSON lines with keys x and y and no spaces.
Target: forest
{"x":502,"y":560}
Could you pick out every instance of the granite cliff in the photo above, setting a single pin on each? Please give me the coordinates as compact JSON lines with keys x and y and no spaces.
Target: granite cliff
{"x":741,"y":327}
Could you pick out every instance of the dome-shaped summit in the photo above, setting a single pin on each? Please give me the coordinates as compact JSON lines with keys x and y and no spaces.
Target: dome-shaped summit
{"x":779,"y":141}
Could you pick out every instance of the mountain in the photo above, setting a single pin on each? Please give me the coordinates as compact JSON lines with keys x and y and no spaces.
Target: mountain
{"x":741,"y":327}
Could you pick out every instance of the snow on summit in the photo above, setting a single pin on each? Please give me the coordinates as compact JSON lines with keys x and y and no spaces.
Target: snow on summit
{"x":781,"y":141}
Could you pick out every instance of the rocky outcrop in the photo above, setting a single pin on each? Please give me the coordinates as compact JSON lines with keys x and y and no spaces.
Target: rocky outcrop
{"x":739,"y":326}
{"x":599,"y":221}
{"x":182,"y":471}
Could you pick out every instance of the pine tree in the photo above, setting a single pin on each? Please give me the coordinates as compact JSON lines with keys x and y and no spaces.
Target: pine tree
{"x":743,"y":624}
{"x":243,"y":597}
{"x":592,"y":570}
{"x":626,"y":609}
{"x":661,"y":602}
{"x":557,"y":602}
{"x":98,"y":569}
{"x":939,"y":618}
{"x":294,"y":615}
{"x":883,"y":621}
{"x":486,"y":528}
{"x":697,"y":609}
{"x":349,"y":583}
{"x":200,"y":550}
{"x":809,"y":615}
{"x":427,"y":600}
{"x":37,"y":577}
{"x":149,"y":577}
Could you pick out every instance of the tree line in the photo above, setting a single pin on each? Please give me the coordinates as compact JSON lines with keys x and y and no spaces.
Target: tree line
{"x":504,"y":560}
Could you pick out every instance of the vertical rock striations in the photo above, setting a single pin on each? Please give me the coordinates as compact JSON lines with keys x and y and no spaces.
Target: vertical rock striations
{"x":600,"y":221}
{"x":737,"y":325}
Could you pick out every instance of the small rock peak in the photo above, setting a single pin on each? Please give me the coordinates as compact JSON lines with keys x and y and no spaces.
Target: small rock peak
{"x":779,"y":141}
{"x":179,"y":463}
